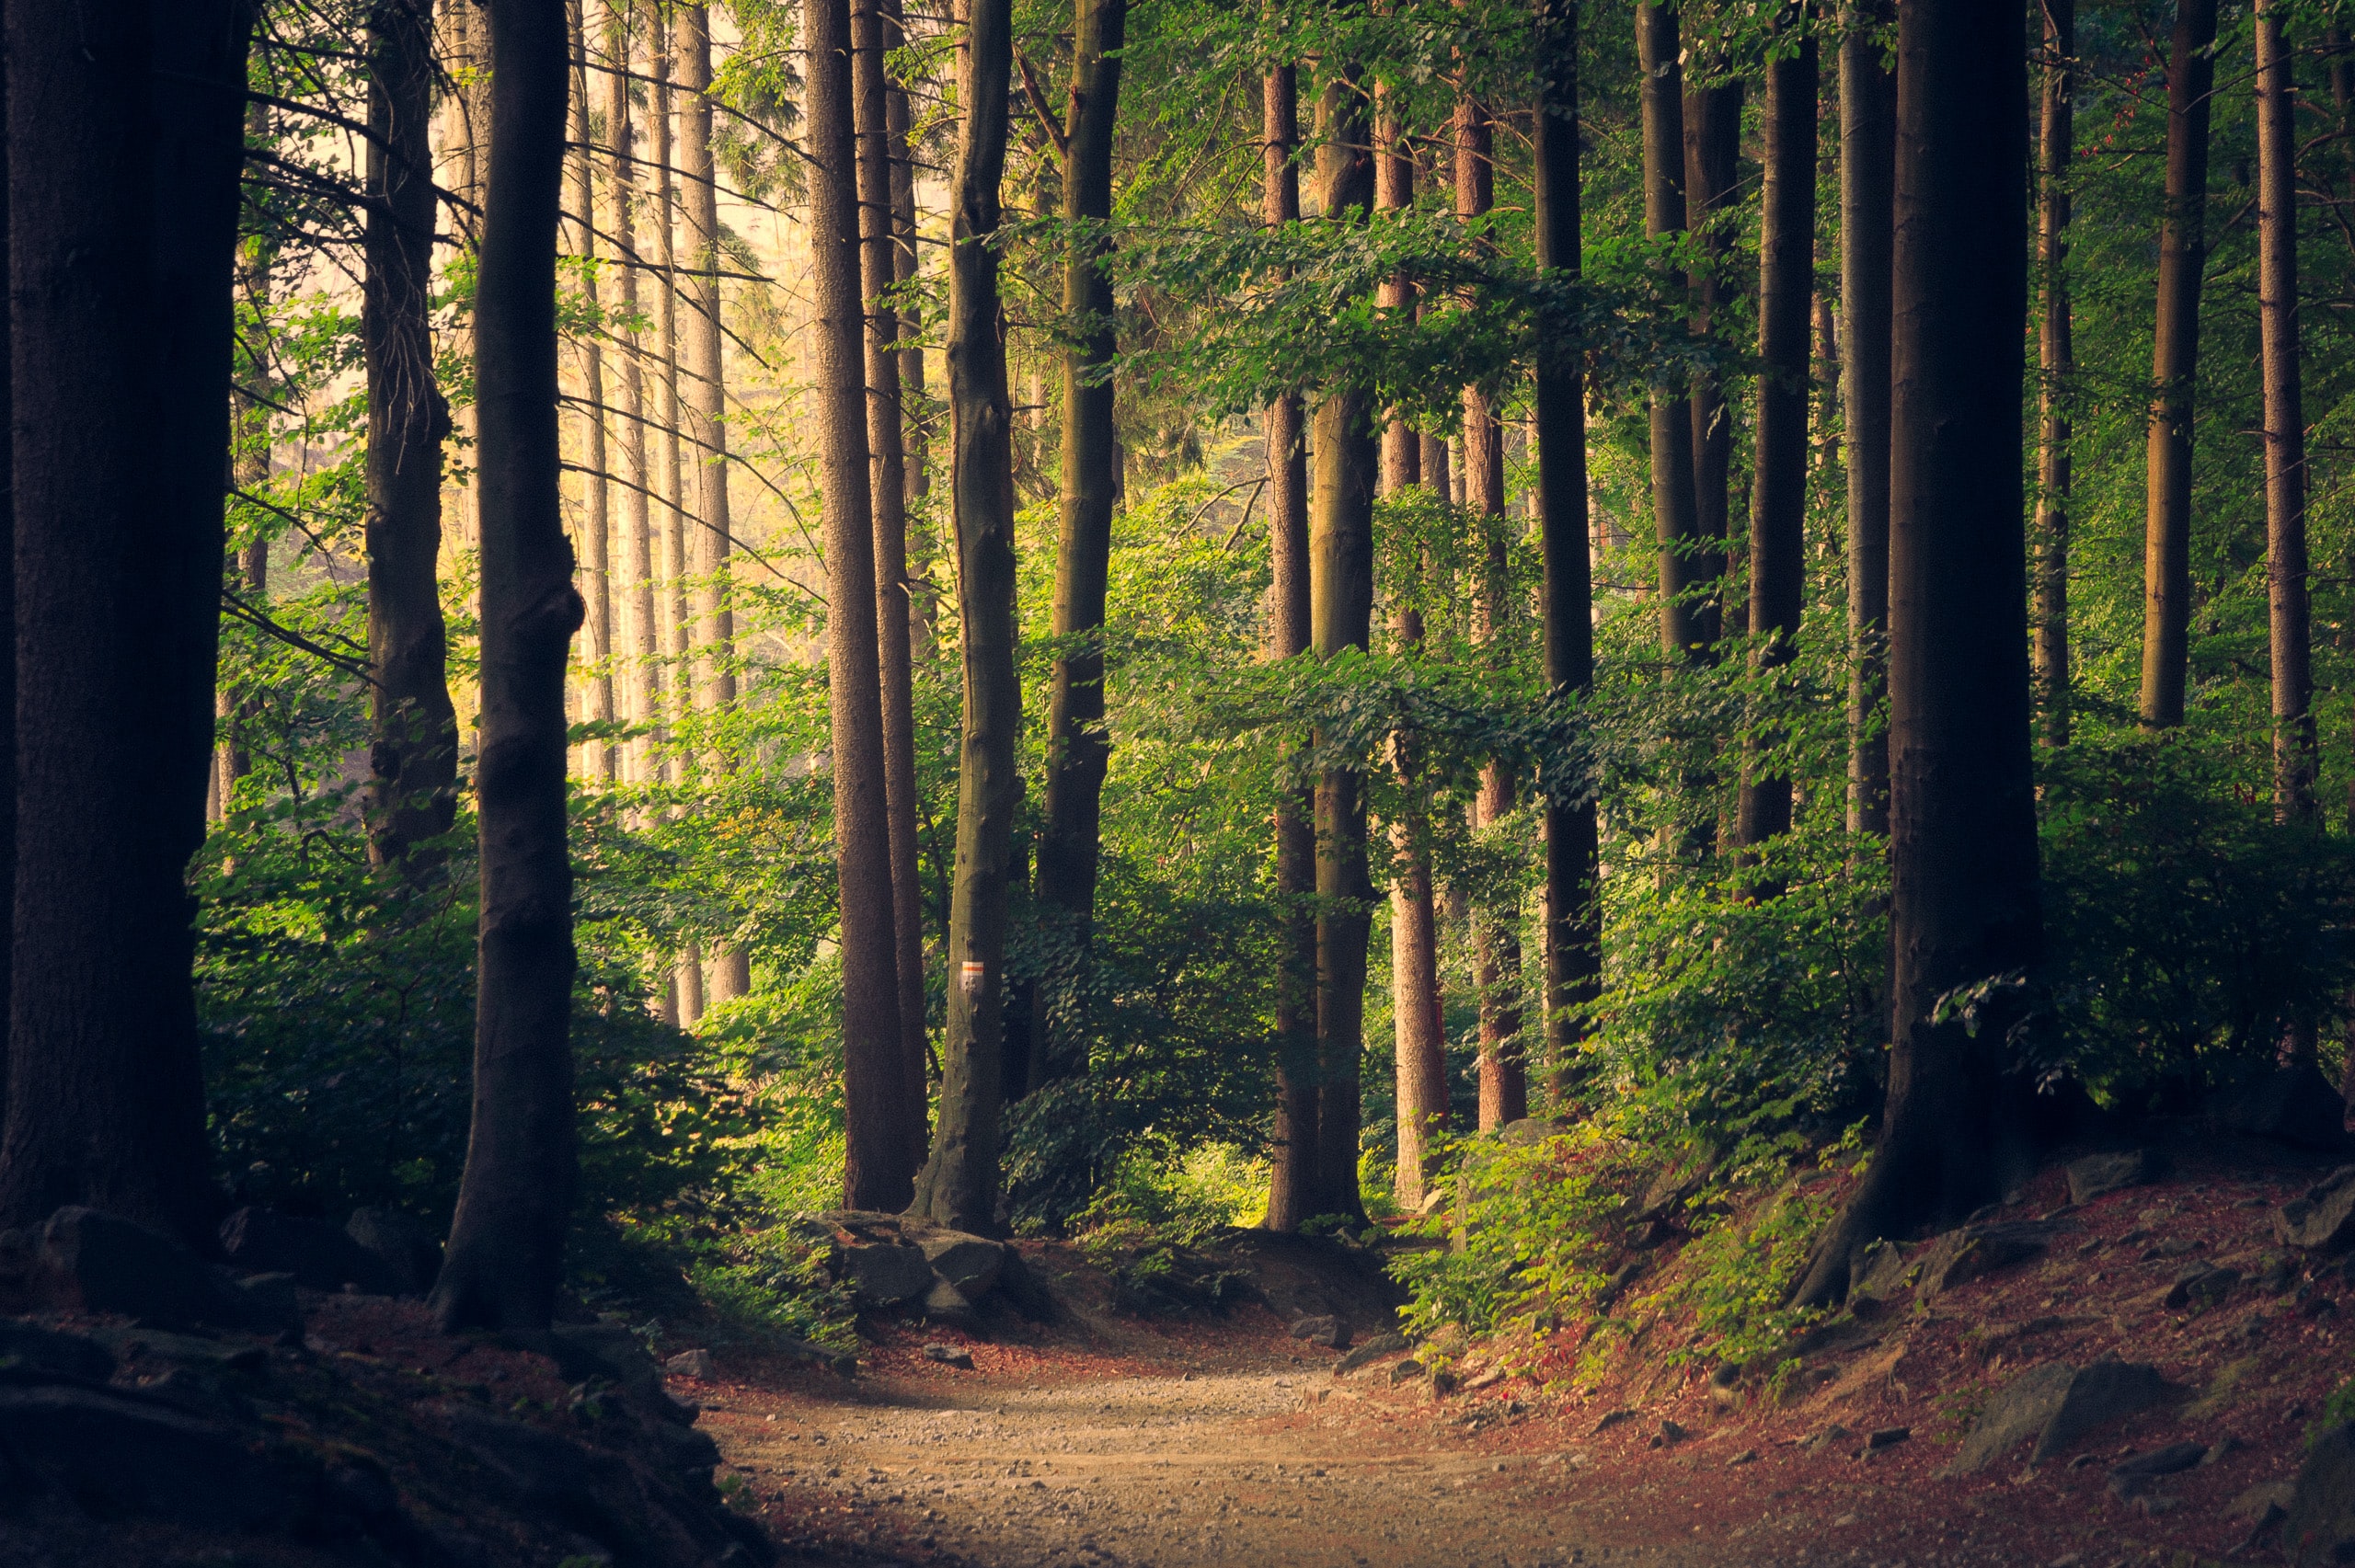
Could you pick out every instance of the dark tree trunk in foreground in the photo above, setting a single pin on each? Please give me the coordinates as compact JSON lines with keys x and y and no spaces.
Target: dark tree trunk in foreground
{"x":1340,"y":557}
{"x":871,"y":36}
{"x":2285,"y":418}
{"x":2056,"y":362}
{"x":413,"y":739}
{"x":1712,"y":165}
{"x":506,"y":1254}
{"x":959,"y":1184}
{"x":1673,"y":513}
{"x":1292,"y":1193}
{"x":879,"y":1159}
{"x":1778,"y":493}
{"x":1963,"y":821}
{"x":1078,"y":747}
{"x":1573,"y":943}
{"x":125,"y":134}
{"x":1868,"y":148}
{"x":2175,"y":357}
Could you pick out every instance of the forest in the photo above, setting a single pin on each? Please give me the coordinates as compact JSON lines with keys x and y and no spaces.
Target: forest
{"x":658,"y":643}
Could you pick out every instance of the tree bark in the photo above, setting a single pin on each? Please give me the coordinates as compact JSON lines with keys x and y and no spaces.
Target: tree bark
{"x":2183,"y":256}
{"x":1340,"y":553}
{"x":1419,"y":1041}
{"x":727,"y":975}
{"x":1867,"y":146}
{"x":1712,"y":170}
{"x":1078,"y":747}
{"x":959,"y":1184}
{"x":1675,"y":512}
{"x":1778,"y":493}
{"x":2285,"y":418}
{"x":872,"y":34}
{"x":597,"y":493}
{"x":506,"y":1253}
{"x":644,"y":681}
{"x":2056,"y":363}
{"x":673,"y":612}
{"x":879,"y":1163}
{"x":1496,"y":945}
{"x":122,"y":207}
{"x":1963,"y":847}
{"x":413,"y":728}
{"x":1292,"y":1191}
{"x":915,"y":470}
{"x":1573,"y":939}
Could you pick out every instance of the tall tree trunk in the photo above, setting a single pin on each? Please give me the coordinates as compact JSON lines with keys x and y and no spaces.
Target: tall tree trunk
{"x":1674,"y":503}
{"x":879,"y":1154}
{"x":1867,"y":146}
{"x":915,"y":472}
{"x":1573,"y":941}
{"x":873,"y":33}
{"x":2285,"y":418}
{"x":1963,"y":842}
{"x":2183,"y":257}
{"x":2056,"y":362}
{"x":1495,"y":946}
{"x":122,"y":210}
{"x":645,"y":666}
{"x":597,"y":492}
{"x":1419,"y":1041}
{"x":673,"y":612}
{"x":729,"y":974}
{"x":1078,"y":749}
{"x":1340,"y":555}
{"x":959,"y":1184}
{"x":1712,"y":169}
{"x":506,"y":1255}
{"x":1292,"y":1191}
{"x":250,"y":444}
{"x":413,"y":728}
{"x":1778,"y":495}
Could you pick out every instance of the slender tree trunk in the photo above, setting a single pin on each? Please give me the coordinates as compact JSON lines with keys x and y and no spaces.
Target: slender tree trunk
{"x":2285,"y":418}
{"x":122,"y":210}
{"x":1419,"y":1042}
{"x":413,"y":738}
{"x":1712,"y":168}
{"x":1867,"y":146}
{"x":597,"y":493}
{"x":1292,"y":1191}
{"x":2183,"y":256}
{"x":1778,"y":496}
{"x":1573,"y":939}
{"x":1340,"y":553}
{"x":879,"y":1158}
{"x":1496,"y":947}
{"x":506,"y":1254}
{"x":1078,"y":747}
{"x":250,"y":440}
{"x":729,"y":974}
{"x":1673,"y":501}
{"x":2056,"y":363}
{"x":645,"y":667}
{"x":959,"y":1184}
{"x":872,"y":33}
{"x":1962,"y":810}
{"x":915,"y":473}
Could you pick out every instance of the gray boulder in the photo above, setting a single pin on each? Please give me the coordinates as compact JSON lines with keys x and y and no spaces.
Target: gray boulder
{"x":2136,"y":1475}
{"x":89,"y":1261}
{"x":1324,"y":1330}
{"x":2057,"y":1405}
{"x":2097,"y":1175}
{"x":1977,"y":1250}
{"x":2321,"y":1526}
{"x":972,"y":1263}
{"x":944,"y":1303}
{"x":884,"y":1274}
{"x":1878,"y":1271}
{"x":399,"y":1241}
{"x":695,"y":1364}
{"x":1387,"y":1343}
{"x":319,"y":1255}
{"x":2292,"y":1104}
{"x":2323,"y":1220}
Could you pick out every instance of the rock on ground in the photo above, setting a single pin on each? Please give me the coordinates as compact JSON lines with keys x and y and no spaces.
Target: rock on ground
{"x":2097,"y":1175}
{"x":2057,"y":1404}
{"x":2321,"y":1525}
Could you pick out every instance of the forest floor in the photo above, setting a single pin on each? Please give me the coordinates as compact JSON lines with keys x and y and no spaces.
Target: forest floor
{"x":1108,"y":1441}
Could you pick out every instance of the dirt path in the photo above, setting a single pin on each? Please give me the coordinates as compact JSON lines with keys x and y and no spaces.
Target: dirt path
{"x":1192,"y":1456}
